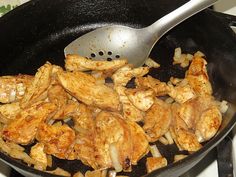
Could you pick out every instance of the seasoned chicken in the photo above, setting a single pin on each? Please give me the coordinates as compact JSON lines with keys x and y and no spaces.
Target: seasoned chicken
{"x":84,"y":87}
{"x":79,"y":63}
{"x":130,"y":112}
{"x":160,"y":88}
{"x":12,"y":88}
{"x":154,"y":163}
{"x":182,"y":92}
{"x":142,"y":99}
{"x":208,"y":124}
{"x":57,"y":95}
{"x":201,"y":115}
{"x":37,"y":153}
{"x":66,"y":111}
{"x":57,"y":139}
{"x":157,"y":120}
{"x":38,"y":89}
{"x":85,"y":128}
{"x":198,"y":78}
{"x":139,"y":142}
{"x":112,"y":129}
{"x":23,"y":128}
{"x":9,"y":111}
{"x":184,"y":138}
{"x":123,"y":75}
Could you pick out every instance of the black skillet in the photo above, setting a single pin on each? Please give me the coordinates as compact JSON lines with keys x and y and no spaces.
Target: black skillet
{"x":39,"y":31}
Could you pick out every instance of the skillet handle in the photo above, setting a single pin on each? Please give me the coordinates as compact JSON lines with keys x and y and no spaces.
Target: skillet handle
{"x":230,"y":20}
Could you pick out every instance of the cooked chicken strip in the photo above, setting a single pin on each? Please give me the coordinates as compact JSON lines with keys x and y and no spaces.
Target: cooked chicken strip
{"x":12,"y":88}
{"x":57,"y":139}
{"x":160,"y":88}
{"x":181,"y":92}
{"x":154,"y":163}
{"x":79,"y":63}
{"x":123,"y":75}
{"x":23,"y":128}
{"x":84,"y":87}
{"x":208,"y":124}
{"x":37,"y":153}
{"x":142,"y":99}
{"x":157,"y":120}
{"x":85,"y":129}
{"x":112,"y":129}
{"x":9,"y":111}
{"x":58,"y":95}
{"x":139,"y":142}
{"x":198,"y":78}
{"x":183,"y":137}
{"x":130,"y":112}
{"x":38,"y":89}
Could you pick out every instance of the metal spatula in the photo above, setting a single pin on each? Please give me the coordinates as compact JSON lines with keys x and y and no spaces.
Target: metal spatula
{"x":113,"y":42}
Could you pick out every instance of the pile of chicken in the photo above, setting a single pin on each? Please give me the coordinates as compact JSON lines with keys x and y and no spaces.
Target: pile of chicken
{"x":105,"y":113}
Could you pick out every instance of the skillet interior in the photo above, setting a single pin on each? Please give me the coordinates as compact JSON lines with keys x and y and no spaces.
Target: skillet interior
{"x":39,"y":31}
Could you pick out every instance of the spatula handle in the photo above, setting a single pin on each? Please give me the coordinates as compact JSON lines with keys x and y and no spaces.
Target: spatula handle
{"x":163,"y":25}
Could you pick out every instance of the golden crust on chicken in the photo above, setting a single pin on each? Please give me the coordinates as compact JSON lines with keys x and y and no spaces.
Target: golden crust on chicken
{"x":37,"y":91}
{"x":12,"y":88}
{"x":57,"y":139}
{"x":157,"y":120}
{"x":9,"y":111}
{"x":154,"y":163}
{"x":79,"y":63}
{"x":142,"y":99}
{"x":198,"y":78}
{"x":160,"y":88}
{"x":84,"y":87}
{"x":130,"y":112}
{"x":23,"y":128}
{"x":123,"y":75}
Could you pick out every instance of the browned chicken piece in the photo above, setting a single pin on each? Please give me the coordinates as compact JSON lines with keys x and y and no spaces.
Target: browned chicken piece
{"x":141,"y":98}
{"x":201,"y":115}
{"x":70,"y":109}
{"x":38,"y":89}
{"x":79,"y":63}
{"x":139,"y":142}
{"x":12,"y":88}
{"x":182,"y":92}
{"x":9,"y":111}
{"x":160,"y":88}
{"x":84,"y":87}
{"x":57,"y":139}
{"x":123,"y":75}
{"x":25,"y":125}
{"x":58,"y":95}
{"x":154,"y":163}
{"x":183,"y":137}
{"x":37,"y":153}
{"x":208,"y":124}
{"x":198,"y":78}
{"x":157,"y":120}
{"x":130,"y":112}
{"x":191,"y":110}
{"x":111,"y":129}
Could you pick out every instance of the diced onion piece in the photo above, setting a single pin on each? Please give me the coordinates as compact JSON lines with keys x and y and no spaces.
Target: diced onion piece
{"x":223,"y":106}
{"x":151,"y":63}
{"x":114,"y":154}
{"x":179,"y":157}
{"x":199,"y":54}
{"x":112,"y":173}
{"x":169,"y":137}
{"x":78,"y":174}
{"x":154,"y":151}
{"x":163,"y":140}
{"x":59,"y":171}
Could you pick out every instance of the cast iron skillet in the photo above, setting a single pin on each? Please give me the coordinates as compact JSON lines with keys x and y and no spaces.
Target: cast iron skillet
{"x":39,"y":30}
